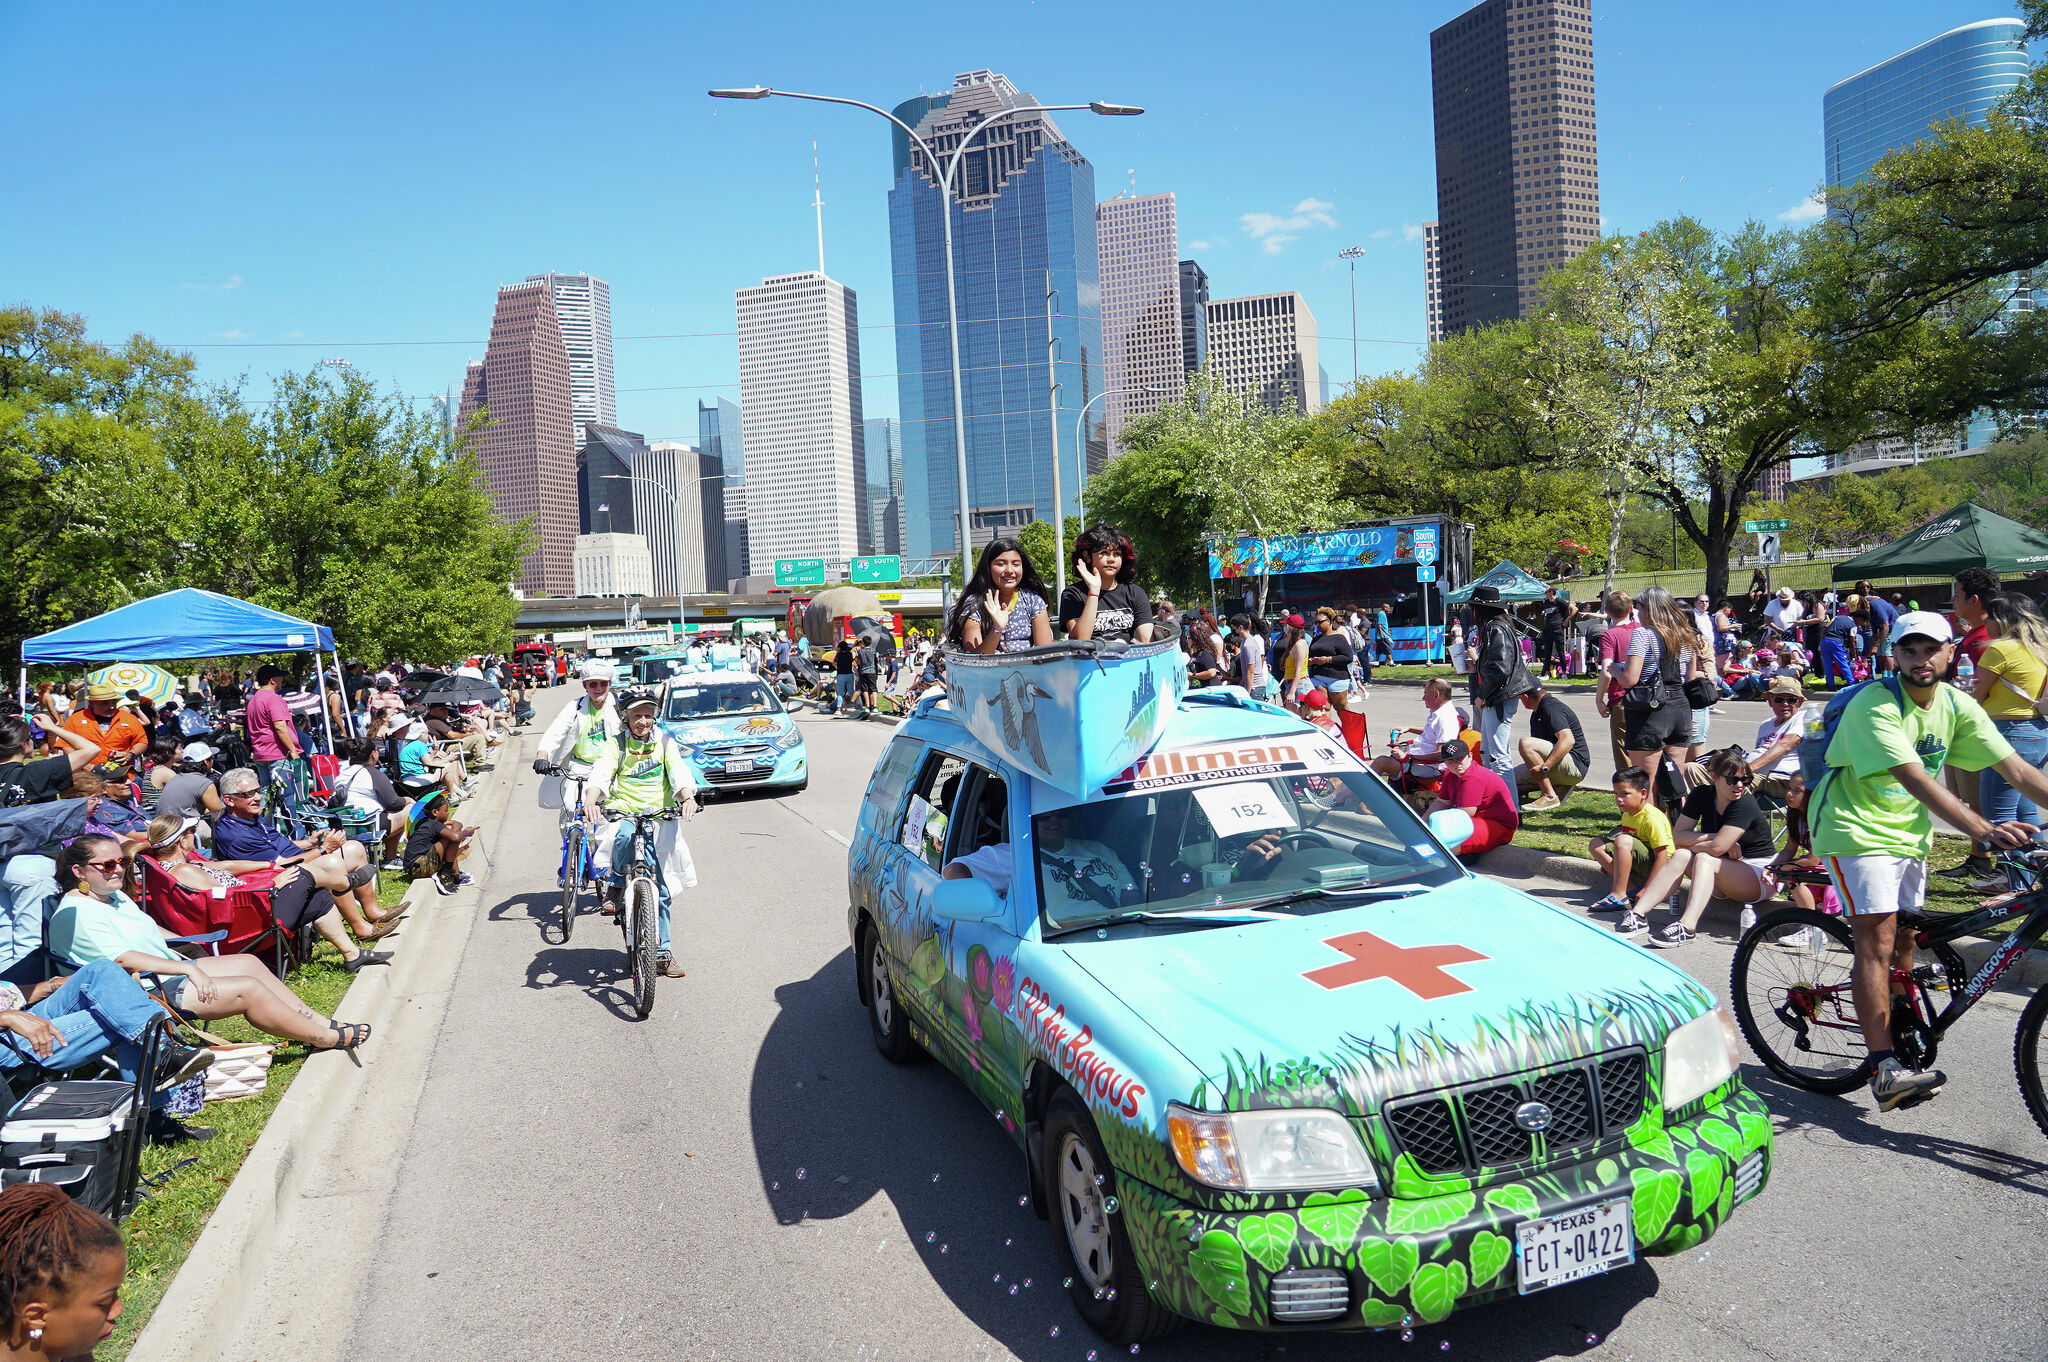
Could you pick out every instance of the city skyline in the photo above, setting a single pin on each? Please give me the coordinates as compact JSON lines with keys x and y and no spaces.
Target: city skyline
{"x":400,"y":259}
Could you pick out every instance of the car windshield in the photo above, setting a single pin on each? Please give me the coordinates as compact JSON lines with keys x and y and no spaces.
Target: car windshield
{"x":708,"y":699}
{"x":1302,"y":843}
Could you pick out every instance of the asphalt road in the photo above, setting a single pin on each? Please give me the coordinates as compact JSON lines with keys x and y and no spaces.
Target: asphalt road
{"x":742,"y":1176}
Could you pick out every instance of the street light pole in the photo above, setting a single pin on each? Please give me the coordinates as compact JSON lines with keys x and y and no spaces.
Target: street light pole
{"x":1352,"y":253}
{"x":675,"y":515}
{"x":1052,"y":413}
{"x":946,"y":217}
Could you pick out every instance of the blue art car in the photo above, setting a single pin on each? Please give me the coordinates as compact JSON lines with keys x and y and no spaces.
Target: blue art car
{"x":1275,"y":1060}
{"x":736,"y":731}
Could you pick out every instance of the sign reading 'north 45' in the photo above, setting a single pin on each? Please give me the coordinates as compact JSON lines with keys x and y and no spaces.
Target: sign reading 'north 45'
{"x":799,"y":572}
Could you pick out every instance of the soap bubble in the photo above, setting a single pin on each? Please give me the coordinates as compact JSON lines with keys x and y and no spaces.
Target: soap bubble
{"x":944,"y":1247}
{"x":1027,"y":1283}
{"x":1145,"y":869}
{"x":1407,"y":1335}
{"x":998,"y":1277}
{"x":799,"y":1175}
{"x":1055,"y":1332}
{"x":931,"y":1236}
{"x":1013,"y":1288}
{"x":1444,"y":1346}
{"x":1006,"y":1243}
{"x":935,"y":1177}
{"x":1592,"y":1339}
{"x":1110,"y":1205}
{"x":1023,"y":1201}
{"x":1111,"y":1295}
{"x":1407,"y":1321}
{"x":1134,"y":1347}
{"x":774,"y":1186}
{"x":1069,"y":1282}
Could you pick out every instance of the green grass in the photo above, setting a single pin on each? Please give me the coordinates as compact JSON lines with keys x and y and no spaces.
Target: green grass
{"x":166,"y":1224}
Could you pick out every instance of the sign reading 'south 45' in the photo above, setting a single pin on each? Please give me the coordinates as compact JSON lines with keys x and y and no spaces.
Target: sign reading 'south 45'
{"x":1271,"y":1055}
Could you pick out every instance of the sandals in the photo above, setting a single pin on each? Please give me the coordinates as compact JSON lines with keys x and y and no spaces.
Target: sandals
{"x":348,"y":1036}
{"x":1612,"y":903}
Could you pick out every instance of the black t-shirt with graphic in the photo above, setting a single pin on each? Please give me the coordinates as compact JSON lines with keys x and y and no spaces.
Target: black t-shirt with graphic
{"x":1118,"y":613}
{"x":34,"y":782}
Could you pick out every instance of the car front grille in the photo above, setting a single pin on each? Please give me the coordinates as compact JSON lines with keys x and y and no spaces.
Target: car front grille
{"x":1301,"y":1295}
{"x":718,"y":777}
{"x":720,"y":751}
{"x":1588,"y":1101}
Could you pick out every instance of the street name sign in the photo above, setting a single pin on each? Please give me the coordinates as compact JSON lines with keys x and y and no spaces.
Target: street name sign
{"x":1766,"y":526}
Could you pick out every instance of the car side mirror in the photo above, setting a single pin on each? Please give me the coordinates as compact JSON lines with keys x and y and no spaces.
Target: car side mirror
{"x":1451,"y":827}
{"x":968,"y":900}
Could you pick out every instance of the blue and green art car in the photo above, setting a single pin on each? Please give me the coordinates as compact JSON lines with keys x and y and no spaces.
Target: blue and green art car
{"x":735,"y":731}
{"x":1274,"y":1058}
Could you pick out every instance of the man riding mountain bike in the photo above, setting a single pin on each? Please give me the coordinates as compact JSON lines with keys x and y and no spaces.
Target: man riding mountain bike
{"x":1873,"y":827}
{"x":642,"y":772}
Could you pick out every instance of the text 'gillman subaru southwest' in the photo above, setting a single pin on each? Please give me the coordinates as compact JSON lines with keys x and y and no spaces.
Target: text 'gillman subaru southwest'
{"x":1273,"y":1056}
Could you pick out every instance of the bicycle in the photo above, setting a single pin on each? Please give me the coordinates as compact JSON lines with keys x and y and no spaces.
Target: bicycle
{"x":639,"y":912}
{"x":1790,"y":986}
{"x":577,"y":849}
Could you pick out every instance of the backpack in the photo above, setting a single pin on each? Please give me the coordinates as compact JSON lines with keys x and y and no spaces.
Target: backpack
{"x":1813,"y":747}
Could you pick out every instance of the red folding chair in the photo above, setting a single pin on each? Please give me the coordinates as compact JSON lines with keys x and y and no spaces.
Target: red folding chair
{"x":242,"y":911}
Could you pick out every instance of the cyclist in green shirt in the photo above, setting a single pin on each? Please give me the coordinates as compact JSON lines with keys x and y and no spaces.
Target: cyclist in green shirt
{"x":1873,"y":827}
{"x":643,"y":772}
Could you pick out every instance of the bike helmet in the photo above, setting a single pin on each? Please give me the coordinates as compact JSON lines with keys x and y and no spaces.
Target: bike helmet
{"x":632,"y":697}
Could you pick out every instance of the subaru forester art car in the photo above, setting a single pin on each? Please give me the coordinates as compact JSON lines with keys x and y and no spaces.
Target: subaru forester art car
{"x":1274,"y":1058}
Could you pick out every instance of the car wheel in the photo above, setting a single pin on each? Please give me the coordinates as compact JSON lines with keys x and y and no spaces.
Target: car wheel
{"x":1107,"y":1286}
{"x":886,"y":1022}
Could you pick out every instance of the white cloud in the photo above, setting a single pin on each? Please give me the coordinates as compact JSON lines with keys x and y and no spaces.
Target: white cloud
{"x":1806,"y":210}
{"x":235,"y":334}
{"x":1381,"y":234}
{"x":1199,"y":245}
{"x":233,"y":281}
{"x":1411,"y":231}
{"x":1274,"y":230}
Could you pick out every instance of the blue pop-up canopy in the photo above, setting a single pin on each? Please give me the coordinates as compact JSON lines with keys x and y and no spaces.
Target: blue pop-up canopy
{"x":182,"y":623}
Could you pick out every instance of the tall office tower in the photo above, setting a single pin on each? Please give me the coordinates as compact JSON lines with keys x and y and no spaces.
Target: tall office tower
{"x":1025,"y":205}
{"x":719,"y":434}
{"x":1432,"y":283}
{"x":1137,"y":245}
{"x":1266,"y":347}
{"x":1517,"y":163}
{"x":614,"y":565}
{"x":583,"y":308}
{"x":528,"y":450}
{"x":604,"y":499}
{"x":885,"y":484}
{"x":1959,"y":74}
{"x":1194,"y":316}
{"x":807,"y":489}
{"x":676,"y":478}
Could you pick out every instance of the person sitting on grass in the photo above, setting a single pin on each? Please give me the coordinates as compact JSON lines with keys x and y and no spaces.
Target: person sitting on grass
{"x":1480,"y":792}
{"x":1555,"y":755}
{"x":434,"y":848}
{"x":97,"y":921}
{"x":1638,"y":847}
{"x":1724,"y":846}
{"x":63,"y":1265}
{"x":294,"y":897}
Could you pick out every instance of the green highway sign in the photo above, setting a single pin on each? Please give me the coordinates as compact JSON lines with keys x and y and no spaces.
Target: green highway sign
{"x":883,"y":568}
{"x":799,"y":572}
{"x":1765,"y":526}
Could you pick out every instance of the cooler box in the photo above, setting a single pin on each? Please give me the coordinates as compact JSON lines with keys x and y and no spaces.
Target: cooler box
{"x":77,"y":1135}
{"x":1073,"y":714}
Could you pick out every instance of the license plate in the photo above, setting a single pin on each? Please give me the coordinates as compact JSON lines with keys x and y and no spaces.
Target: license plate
{"x":739,"y":766}
{"x":1582,"y":1243}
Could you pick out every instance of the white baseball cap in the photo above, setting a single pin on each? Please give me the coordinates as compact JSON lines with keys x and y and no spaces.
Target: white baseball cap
{"x":1923,"y":622}
{"x":197,"y":751}
{"x":597,"y":669}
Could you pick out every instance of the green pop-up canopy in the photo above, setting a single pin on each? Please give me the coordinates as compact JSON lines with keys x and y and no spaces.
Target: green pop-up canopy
{"x":1511,"y":582}
{"x":1968,"y":536}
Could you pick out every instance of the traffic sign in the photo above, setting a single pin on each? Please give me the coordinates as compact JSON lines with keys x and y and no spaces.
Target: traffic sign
{"x":1425,"y":552}
{"x":1765,"y":526}
{"x":881,"y":568}
{"x":1425,"y":573}
{"x":799,"y":572}
{"x":1768,"y":549}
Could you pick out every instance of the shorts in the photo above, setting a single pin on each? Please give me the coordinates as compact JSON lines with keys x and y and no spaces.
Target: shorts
{"x":300,"y":902}
{"x":420,"y":867}
{"x":1877,"y":884}
{"x":1335,"y":685}
{"x":1652,"y":729}
{"x":1639,"y":854}
{"x":171,"y":986}
{"x":1769,"y":882}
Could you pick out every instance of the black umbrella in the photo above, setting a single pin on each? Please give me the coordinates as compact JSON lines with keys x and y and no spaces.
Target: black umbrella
{"x":463,"y":690}
{"x":415,"y":682}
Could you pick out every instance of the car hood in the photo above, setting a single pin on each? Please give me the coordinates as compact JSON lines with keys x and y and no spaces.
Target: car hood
{"x":1376,"y":1001}
{"x":739,"y":727}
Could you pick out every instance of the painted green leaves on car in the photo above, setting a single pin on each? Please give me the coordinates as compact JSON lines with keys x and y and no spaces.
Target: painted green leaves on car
{"x":1516,"y":1199}
{"x":1704,"y":1171}
{"x":1267,"y":1238}
{"x":1490,"y":1253}
{"x":1218,"y":1265}
{"x":1334,"y":1217}
{"x":1654,"y":1201}
{"x":1389,"y":1263}
{"x":1436,"y":1289}
{"x":1649,"y":1135}
{"x":1425,"y":1217}
{"x":1381,"y":1314}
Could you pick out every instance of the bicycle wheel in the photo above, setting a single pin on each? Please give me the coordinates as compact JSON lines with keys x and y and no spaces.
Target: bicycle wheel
{"x":2030,"y":1060}
{"x":641,"y":908}
{"x":572,"y":880}
{"x":1790,"y":988}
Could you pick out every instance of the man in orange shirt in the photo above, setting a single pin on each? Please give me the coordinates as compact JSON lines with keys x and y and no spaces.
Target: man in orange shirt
{"x":118,"y":732}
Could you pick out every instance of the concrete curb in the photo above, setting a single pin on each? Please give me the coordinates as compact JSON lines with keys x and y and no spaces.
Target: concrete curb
{"x":318,"y":1145}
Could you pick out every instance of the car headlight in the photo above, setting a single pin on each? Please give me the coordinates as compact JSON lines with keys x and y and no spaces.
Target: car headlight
{"x":793,"y":737}
{"x":1290,"y":1148}
{"x":1698,"y":1058}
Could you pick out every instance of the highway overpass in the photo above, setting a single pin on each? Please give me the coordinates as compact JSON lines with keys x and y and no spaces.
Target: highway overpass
{"x":557,"y":614}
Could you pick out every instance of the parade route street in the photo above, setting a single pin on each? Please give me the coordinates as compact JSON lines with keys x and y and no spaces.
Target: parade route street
{"x":742,"y":1176}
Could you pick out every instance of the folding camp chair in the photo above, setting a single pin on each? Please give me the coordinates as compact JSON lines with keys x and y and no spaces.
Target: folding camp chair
{"x":233,"y":920}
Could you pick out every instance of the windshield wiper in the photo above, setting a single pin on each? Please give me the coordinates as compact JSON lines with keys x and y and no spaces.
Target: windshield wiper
{"x":1227,"y":918}
{"x":1362,"y":891}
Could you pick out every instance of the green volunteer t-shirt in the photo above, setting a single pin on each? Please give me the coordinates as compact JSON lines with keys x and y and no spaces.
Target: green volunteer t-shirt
{"x":1864,"y":810}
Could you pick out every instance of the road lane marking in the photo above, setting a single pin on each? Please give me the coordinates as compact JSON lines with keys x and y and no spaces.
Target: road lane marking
{"x":840,"y":838}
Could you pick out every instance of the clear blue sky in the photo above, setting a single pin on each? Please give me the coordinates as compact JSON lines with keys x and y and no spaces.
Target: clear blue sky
{"x":332,"y":175}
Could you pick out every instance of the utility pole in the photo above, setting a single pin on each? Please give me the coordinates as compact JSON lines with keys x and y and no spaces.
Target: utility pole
{"x":1052,"y":414}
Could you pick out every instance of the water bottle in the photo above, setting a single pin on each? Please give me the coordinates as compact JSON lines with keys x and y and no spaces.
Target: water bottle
{"x":1966,"y":671}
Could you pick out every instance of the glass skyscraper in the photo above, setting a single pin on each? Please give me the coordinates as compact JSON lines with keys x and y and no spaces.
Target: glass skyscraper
{"x":1960,"y":74}
{"x":1026,"y":205}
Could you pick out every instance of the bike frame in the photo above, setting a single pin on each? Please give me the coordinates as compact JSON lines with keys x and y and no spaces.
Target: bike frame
{"x":1932,"y":930}
{"x":571,"y":816}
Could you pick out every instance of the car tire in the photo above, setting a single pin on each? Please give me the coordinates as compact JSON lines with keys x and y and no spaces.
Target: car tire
{"x":886,"y":1021}
{"x":1105,"y":1282}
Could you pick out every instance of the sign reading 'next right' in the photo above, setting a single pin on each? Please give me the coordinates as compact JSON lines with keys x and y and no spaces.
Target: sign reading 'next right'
{"x":799,"y":572}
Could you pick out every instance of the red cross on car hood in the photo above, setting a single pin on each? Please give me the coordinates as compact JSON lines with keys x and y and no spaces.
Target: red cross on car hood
{"x":1426,"y":981}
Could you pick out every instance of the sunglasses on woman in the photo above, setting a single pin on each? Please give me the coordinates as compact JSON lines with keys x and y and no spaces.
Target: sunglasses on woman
{"x":1738,"y":781}
{"x":104,"y":867}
